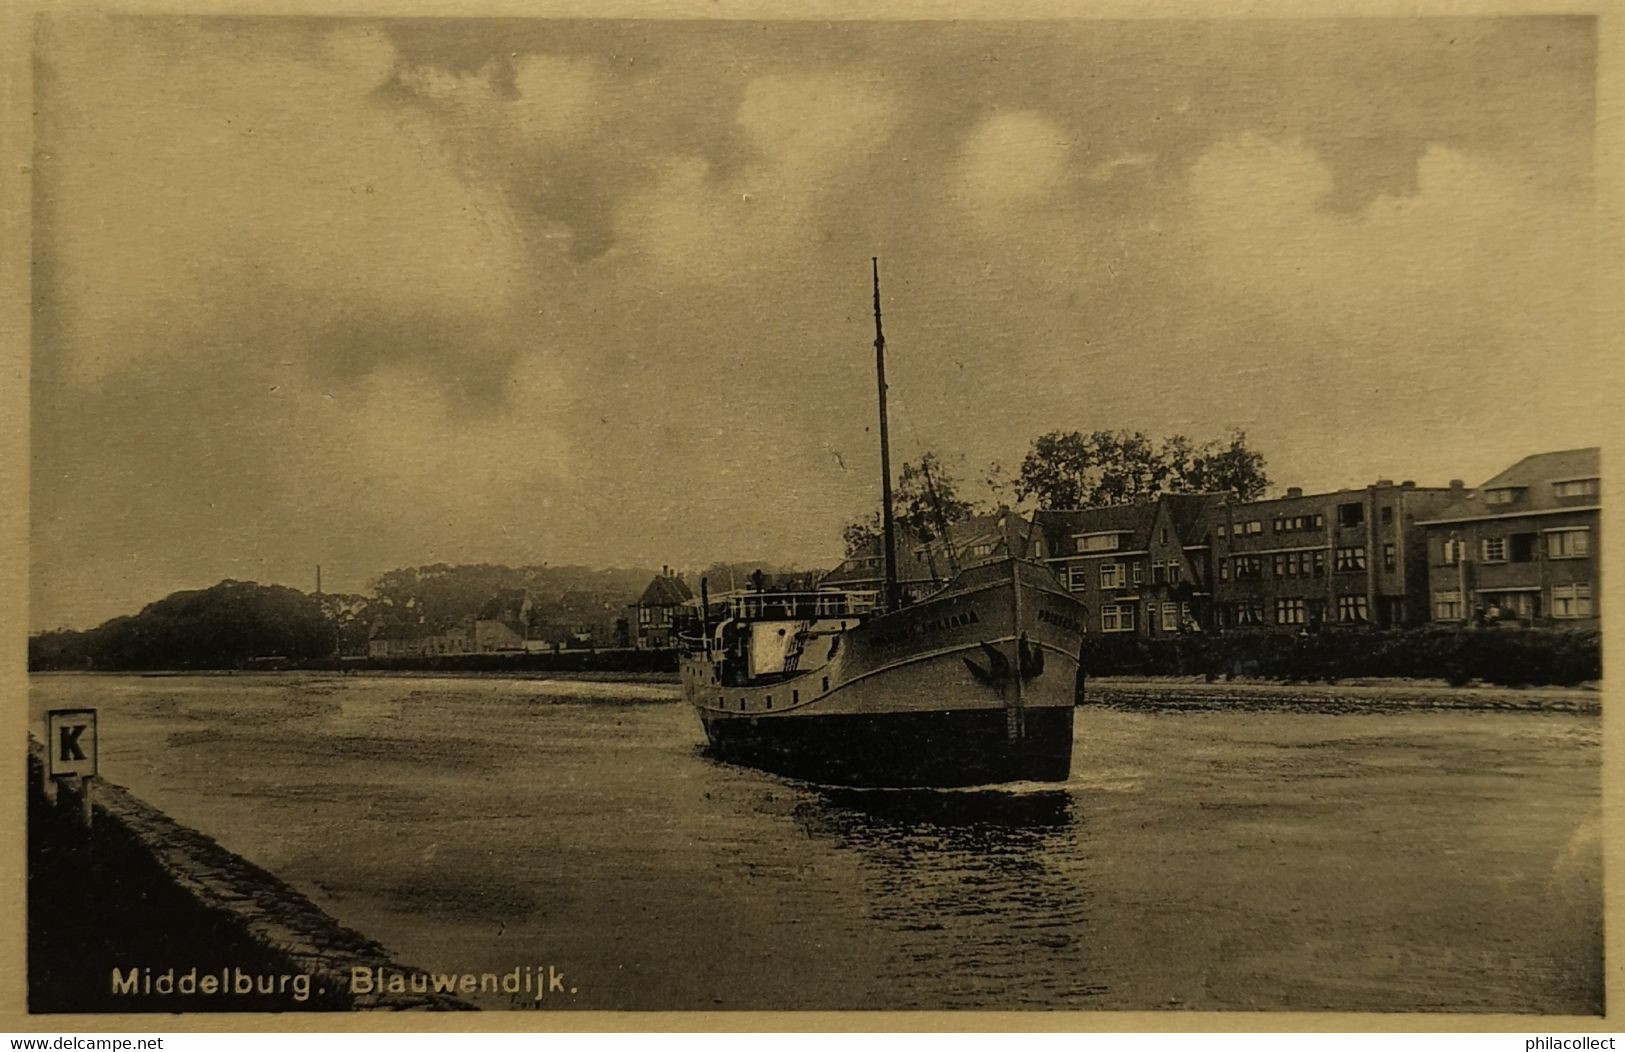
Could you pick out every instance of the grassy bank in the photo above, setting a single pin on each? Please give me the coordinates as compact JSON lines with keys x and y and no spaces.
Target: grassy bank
{"x":1358,"y":695}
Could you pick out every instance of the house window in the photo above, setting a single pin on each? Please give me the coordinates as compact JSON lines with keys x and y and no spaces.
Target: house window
{"x":1573,"y":600}
{"x":1493,"y":549}
{"x":1077,"y":578}
{"x":1159,"y":573}
{"x":1351,"y":514}
{"x":1447,"y":606}
{"x":1500,"y":496}
{"x":1250,"y":613}
{"x":1170,"y":617}
{"x":1575,"y":488}
{"x":1523,"y":547}
{"x":1569,"y":544}
{"x":1280,"y":562}
{"x":1290,"y":612}
{"x":979,"y":550}
{"x":1224,"y":569}
{"x":1305,"y":561}
{"x":1114,"y":618}
{"x":1254,"y":527}
{"x":1387,"y":514}
{"x":1164,"y":535}
{"x":1176,"y":573}
{"x":1249,"y":566}
{"x":1454,"y":551}
{"x":1224,"y":531}
{"x":1138,"y":571}
{"x":1186,"y":621}
{"x":644,"y":615}
{"x":1352,"y":609}
{"x":1350,"y":559}
{"x":1099,"y":542}
{"x":1111,"y":575}
{"x":1390,"y":558}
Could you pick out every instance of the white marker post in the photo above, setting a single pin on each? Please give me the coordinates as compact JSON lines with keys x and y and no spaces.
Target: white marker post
{"x":70,"y":745}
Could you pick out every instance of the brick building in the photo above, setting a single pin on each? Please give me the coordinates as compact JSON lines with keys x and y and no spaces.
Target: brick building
{"x":1522,"y":547}
{"x":1200,"y":562}
{"x":1349,"y":557}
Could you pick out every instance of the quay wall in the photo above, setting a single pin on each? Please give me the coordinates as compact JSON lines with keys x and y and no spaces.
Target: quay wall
{"x":143,"y":894}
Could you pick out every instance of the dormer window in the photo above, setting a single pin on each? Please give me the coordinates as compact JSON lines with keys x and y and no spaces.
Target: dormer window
{"x":1100,"y":542}
{"x":1576,"y":488}
{"x":1502,"y":496}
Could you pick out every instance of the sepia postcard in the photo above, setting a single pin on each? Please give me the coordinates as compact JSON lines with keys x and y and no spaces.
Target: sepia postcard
{"x":737,"y":512}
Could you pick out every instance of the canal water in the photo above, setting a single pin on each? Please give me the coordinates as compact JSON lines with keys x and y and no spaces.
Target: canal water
{"x":1443,"y":860}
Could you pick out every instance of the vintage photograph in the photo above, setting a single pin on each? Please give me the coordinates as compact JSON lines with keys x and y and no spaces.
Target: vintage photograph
{"x":557,"y":514}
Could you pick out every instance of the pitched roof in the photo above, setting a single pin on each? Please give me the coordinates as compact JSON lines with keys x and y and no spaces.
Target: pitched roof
{"x":866,"y":567}
{"x":1062,"y":524}
{"x":1191,"y":513}
{"x":1531,"y":480}
{"x":666,"y":590}
{"x":1002,"y":531}
{"x":1548,"y":467}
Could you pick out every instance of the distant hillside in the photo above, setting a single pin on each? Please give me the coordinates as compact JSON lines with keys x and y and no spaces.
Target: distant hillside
{"x":235,"y":623}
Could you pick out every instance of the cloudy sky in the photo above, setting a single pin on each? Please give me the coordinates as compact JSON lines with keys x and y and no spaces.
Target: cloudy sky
{"x":380,"y":293}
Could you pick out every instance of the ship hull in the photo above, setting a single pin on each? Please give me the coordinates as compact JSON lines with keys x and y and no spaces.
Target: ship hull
{"x":975,"y":685}
{"x":902,"y":749}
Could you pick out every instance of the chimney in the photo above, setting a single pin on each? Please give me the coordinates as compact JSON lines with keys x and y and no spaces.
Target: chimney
{"x":1408,"y":484}
{"x":1385,"y":482}
{"x":1294,"y":491}
{"x":1457,"y":484}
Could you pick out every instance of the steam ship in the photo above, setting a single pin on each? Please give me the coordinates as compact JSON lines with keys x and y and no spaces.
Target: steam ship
{"x":974,"y":683}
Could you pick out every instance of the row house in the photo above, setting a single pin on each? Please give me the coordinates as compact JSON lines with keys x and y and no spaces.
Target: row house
{"x":1143,"y":568}
{"x":1523,"y":547}
{"x":1348,"y":557}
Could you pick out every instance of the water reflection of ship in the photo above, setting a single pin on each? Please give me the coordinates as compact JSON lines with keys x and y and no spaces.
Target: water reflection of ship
{"x":976,"y":812}
{"x":964,"y":889}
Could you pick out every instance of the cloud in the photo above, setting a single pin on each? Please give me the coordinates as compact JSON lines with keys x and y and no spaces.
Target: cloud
{"x":557,"y":97}
{"x":1011,"y":160}
{"x":1473,"y":239}
{"x":267,"y":179}
{"x":283,"y":299}
{"x":1451,"y":310}
{"x":805,"y":135}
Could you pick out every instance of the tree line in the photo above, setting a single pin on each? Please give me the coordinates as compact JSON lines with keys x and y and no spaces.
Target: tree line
{"x":237,"y":623}
{"x":1068,"y":469}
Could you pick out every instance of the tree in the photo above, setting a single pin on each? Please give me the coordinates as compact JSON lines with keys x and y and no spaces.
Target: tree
{"x":925,"y":497}
{"x":1074,"y":470}
{"x":861,"y":534}
{"x":217,"y":627}
{"x":1229,"y":467}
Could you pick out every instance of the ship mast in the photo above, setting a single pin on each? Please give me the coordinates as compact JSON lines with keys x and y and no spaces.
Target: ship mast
{"x":888,"y":529}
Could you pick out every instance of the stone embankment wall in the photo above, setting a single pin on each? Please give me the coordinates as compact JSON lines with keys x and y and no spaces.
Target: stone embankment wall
{"x":137,"y":895}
